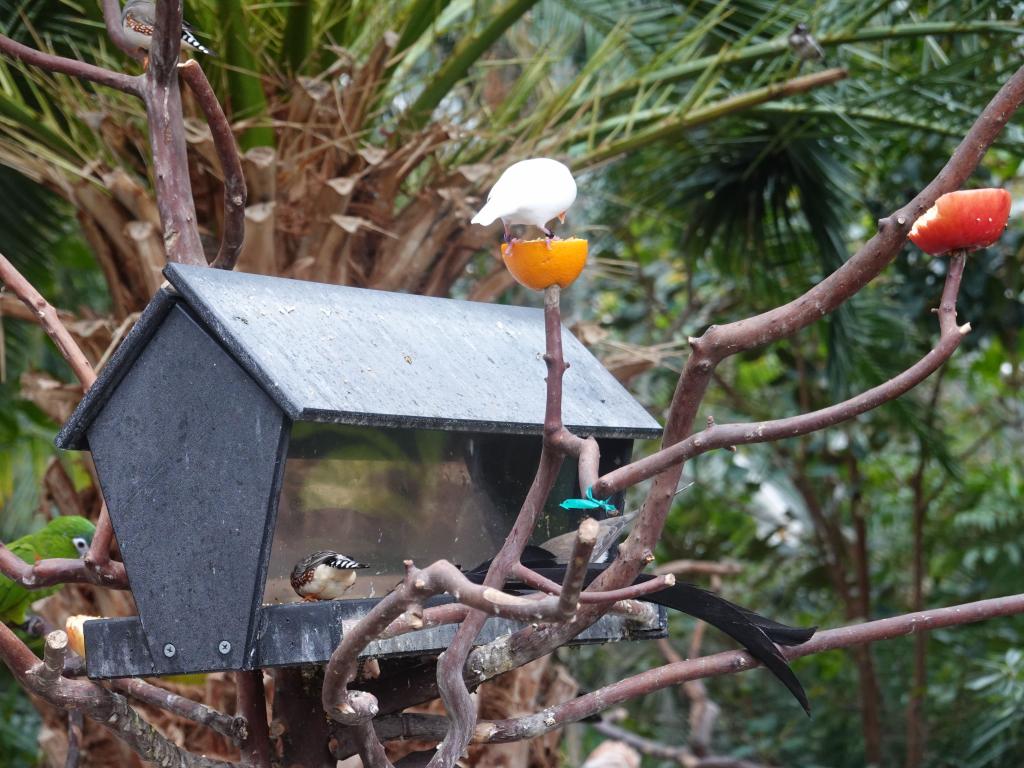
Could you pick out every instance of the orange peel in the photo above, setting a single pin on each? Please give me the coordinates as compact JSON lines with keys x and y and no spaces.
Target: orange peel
{"x":538,"y":264}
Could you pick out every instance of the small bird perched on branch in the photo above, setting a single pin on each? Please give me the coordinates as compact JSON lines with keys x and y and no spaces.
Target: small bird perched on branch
{"x":69,"y":536}
{"x":138,"y":18}
{"x":529,"y":192}
{"x":803,"y":44}
{"x":324,"y":575}
{"x":758,"y":634}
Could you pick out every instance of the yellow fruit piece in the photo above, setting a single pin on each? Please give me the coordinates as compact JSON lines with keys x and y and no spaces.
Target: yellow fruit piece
{"x":538,"y":264}
{"x":76,"y":632}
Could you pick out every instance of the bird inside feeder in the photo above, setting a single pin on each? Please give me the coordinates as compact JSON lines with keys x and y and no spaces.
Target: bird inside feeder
{"x":378,"y":496}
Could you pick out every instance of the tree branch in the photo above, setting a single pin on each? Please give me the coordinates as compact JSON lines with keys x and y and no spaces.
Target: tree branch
{"x":533,"y":579}
{"x":59,"y":570}
{"x":235,"y":194}
{"x":727,"y":435}
{"x":719,"y":342}
{"x":74,"y":739}
{"x":530,"y":643}
{"x":357,"y":707}
{"x":109,"y":709}
{"x":233,"y":728}
{"x":167,"y":138}
{"x":252,"y":703}
{"x":97,"y":567}
{"x":47,"y":317}
{"x":115,"y":31}
{"x":728,"y":662}
{"x":703,"y":567}
{"x":576,"y":568}
{"x":73,"y":67}
{"x":351,"y":707}
{"x":97,"y":559}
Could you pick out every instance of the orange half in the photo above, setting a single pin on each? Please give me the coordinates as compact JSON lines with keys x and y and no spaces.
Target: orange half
{"x":538,"y":264}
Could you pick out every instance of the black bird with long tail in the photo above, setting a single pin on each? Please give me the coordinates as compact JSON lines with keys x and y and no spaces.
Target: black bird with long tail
{"x":758,"y":634}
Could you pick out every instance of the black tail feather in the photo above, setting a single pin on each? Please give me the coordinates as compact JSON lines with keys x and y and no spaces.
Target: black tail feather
{"x":757,"y":633}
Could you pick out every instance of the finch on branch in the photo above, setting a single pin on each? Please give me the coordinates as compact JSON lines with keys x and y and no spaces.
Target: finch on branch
{"x":137,"y":20}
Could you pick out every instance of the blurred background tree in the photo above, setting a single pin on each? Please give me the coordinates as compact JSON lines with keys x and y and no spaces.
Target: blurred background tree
{"x":371,"y":130}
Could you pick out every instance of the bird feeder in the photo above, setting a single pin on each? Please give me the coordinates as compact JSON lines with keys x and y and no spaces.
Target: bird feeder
{"x":247,"y":421}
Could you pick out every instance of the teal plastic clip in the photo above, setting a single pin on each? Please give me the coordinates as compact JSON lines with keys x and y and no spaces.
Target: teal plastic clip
{"x":588,"y":503}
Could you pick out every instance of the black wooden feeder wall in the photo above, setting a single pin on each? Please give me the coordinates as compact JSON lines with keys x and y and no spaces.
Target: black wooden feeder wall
{"x":247,"y":421}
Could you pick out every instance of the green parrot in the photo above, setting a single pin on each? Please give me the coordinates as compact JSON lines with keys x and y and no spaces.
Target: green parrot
{"x":68,"y":536}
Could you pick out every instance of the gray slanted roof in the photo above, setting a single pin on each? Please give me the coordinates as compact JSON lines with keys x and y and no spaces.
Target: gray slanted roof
{"x":357,"y":356}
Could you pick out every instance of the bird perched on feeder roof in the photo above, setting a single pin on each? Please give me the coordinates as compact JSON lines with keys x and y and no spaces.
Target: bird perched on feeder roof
{"x":67,"y":537}
{"x":324,"y":575}
{"x":529,"y":192}
{"x":137,"y":20}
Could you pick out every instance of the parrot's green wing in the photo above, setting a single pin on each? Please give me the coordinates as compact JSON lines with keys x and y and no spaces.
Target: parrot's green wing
{"x":14,"y":598}
{"x":55,"y":540}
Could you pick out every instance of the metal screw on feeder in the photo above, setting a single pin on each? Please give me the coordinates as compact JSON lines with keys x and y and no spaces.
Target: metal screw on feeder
{"x":224,"y":647}
{"x":169,"y":650}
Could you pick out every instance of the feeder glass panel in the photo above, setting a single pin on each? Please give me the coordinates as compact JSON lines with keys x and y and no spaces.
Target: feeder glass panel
{"x":384,"y":495}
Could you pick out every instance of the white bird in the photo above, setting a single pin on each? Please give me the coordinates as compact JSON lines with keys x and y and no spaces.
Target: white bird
{"x":531,"y":192}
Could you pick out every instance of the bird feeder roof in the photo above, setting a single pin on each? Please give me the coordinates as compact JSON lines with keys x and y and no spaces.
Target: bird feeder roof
{"x":335,"y":354}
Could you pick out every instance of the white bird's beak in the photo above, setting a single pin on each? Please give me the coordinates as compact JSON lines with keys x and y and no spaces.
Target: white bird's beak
{"x":561,"y":217}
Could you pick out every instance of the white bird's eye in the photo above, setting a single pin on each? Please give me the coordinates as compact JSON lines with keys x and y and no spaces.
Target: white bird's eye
{"x":80,"y":544}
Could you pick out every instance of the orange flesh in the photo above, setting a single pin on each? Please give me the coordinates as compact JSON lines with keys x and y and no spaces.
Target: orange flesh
{"x":536,"y":264}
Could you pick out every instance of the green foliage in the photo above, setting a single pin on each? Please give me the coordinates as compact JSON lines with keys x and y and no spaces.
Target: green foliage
{"x":19,"y":723}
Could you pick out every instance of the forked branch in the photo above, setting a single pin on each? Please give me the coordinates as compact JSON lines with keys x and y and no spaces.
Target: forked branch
{"x":727,"y":435}
{"x":111,"y":710}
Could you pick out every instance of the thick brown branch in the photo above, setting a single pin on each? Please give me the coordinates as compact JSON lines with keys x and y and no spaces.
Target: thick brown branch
{"x":450,"y":666}
{"x":709,"y":350}
{"x":370,"y":750}
{"x":167,"y":139}
{"x":109,"y":709}
{"x":233,"y":728}
{"x":231,"y":164}
{"x":72,"y":67}
{"x":431,"y":617}
{"x":557,"y":441}
{"x":252,"y":703}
